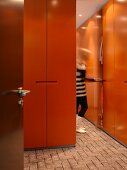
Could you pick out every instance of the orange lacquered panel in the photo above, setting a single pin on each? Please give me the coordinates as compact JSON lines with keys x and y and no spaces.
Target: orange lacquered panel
{"x":115,"y":70}
{"x":109,"y":108}
{"x":108,"y":42}
{"x":61,"y":73}
{"x":34,"y":118}
{"x":108,"y":69}
{"x":93,"y":97}
{"x":120,"y":24}
{"x":120,"y":11}
{"x":121,"y":111}
{"x":35,"y":72}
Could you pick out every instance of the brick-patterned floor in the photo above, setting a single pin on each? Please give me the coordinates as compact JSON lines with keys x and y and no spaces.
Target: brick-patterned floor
{"x":94,"y":150}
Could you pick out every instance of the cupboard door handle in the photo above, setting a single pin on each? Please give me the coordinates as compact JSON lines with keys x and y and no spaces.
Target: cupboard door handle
{"x":20,"y":92}
{"x":41,"y":81}
{"x":100,"y":80}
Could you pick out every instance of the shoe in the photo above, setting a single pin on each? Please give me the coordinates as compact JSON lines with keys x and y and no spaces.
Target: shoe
{"x":81,"y":130}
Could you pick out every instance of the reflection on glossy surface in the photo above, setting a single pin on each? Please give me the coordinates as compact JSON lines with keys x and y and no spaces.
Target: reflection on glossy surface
{"x":86,"y":50}
{"x":98,"y":16}
{"x":11,"y":2}
{"x":55,"y":2}
{"x":84,"y":28}
{"x":20,"y":1}
{"x":121,"y":0}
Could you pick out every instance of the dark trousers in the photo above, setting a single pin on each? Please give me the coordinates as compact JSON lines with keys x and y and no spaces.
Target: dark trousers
{"x":84,"y":106}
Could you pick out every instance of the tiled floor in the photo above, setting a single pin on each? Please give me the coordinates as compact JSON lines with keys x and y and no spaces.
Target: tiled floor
{"x":94,"y":150}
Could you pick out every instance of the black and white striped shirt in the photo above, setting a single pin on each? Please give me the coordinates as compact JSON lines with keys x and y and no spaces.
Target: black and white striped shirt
{"x":80,"y":83}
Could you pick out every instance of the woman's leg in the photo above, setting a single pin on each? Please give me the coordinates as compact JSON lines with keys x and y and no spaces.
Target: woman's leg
{"x":77,"y":104}
{"x":84,"y":106}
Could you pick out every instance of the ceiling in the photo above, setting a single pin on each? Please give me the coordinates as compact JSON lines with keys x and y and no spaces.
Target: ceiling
{"x":87,"y":8}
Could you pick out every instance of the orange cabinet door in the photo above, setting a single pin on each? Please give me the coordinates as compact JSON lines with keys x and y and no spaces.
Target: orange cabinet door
{"x":121,"y":70}
{"x":35,"y":73}
{"x":61,"y":73}
{"x":108,"y":69}
{"x":121,"y":111}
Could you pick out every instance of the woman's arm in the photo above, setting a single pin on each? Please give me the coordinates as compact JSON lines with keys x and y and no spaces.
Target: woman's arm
{"x":91,"y":79}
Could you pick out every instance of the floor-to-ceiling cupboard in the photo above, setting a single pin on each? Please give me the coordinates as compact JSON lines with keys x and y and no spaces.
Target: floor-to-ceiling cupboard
{"x":107,"y":98}
{"x":115,"y":69}
{"x":49,"y":72}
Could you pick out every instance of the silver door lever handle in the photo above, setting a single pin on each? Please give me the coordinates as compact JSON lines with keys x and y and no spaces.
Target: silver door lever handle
{"x":22,"y":92}
{"x":19,"y":91}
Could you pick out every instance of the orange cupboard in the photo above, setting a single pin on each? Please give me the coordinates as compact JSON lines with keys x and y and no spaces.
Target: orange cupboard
{"x":115,"y":69}
{"x":49,"y":73}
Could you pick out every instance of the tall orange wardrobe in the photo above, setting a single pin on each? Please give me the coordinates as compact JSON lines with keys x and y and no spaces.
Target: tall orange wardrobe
{"x":115,"y":69}
{"x":49,"y":73}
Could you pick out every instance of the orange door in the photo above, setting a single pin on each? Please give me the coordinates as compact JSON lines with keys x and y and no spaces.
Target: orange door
{"x":121,"y":70}
{"x":35,"y":73}
{"x":61,"y":86}
{"x":108,"y":69}
{"x":11,"y":78}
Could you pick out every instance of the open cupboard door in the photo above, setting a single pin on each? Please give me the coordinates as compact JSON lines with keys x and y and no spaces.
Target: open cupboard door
{"x":11,"y":81}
